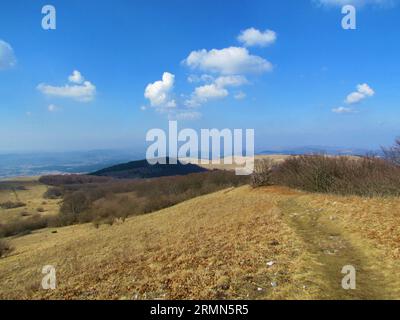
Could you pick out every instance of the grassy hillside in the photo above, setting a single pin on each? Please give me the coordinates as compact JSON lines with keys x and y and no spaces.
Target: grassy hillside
{"x":29,"y":192}
{"x":239,"y":243}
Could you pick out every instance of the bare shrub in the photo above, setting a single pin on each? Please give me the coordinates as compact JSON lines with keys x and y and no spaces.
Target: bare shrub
{"x":54,"y":193}
{"x":118,"y":199}
{"x":68,"y":179}
{"x":12,"y":204}
{"x":262,"y":173}
{"x":392,"y":154}
{"x":367,"y":176}
{"x":23,"y":226}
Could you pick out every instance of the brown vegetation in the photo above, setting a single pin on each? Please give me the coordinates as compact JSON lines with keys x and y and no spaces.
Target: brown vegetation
{"x":82,"y":203}
{"x":12,"y":204}
{"x":67,"y":179}
{"x":392,"y":154}
{"x":367,"y":176}
{"x":25,"y":226}
{"x":5,"y":248}
{"x":104,"y":203}
{"x":262,"y":174}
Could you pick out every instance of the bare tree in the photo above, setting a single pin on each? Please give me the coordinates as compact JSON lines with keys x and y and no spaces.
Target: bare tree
{"x":392,"y":154}
{"x":262,"y":173}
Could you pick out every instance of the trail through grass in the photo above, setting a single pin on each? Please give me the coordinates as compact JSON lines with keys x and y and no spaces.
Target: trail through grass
{"x":330,"y":249}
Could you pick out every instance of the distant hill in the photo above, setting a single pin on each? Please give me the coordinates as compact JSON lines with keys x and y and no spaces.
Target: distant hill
{"x":142,"y":169}
{"x":342,"y":151}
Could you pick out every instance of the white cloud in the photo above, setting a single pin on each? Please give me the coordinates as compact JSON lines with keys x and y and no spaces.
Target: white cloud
{"x":159,"y":92}
{"x":143,"y":108}
{"x":7,"y":57}
{"x":342,"y":110}
{"x":358,"y":3}
{"x":193,"y":78}
{"x":231,"y":81}
{"x":253,"y":37}
{"x":83,"y":92}
{"x":228,"y":61}
{"x":210,"y":91}
{"x":240,"y":95}
{"x":215,"y":90}
{"x":354,"y":97}
{"x":76,"y":77}
{"x":214,"y":73}
{"x":363,"y":91}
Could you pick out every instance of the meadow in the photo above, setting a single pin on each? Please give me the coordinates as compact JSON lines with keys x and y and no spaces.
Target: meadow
{"x":285,"y":234}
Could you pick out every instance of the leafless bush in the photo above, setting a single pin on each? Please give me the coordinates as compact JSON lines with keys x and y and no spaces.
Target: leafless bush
{"x":12,"y":204}
{"x":366,"y":176}
{"x":104,"y":202}
{"x":54,"y":193}
{"x":262,"y":173}
{"x":23,"y":226}
{"x":392,"y":154}
{"x":68,"y":179}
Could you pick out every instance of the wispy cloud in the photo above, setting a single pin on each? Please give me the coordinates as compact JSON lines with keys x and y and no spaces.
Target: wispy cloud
{"x":343,"y":110}
{"x":7,"y":56}
{"x":357,"y":3}
{"x":53,"y":108}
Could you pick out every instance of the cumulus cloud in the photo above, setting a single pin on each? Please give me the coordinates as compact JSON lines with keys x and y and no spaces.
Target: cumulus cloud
{"x":231,"y":81}
{"x":158,"y":93}
{"x":213,"y":72}
{"x":254,"y":37}
{"x":210,"y":91}
{"x":7,"y":57}
{"x":76,"y":77}
{"x":227,"y":61}
{"x":363,"y":91}
{"x":215,"y":90}
{"x":82,"y":92}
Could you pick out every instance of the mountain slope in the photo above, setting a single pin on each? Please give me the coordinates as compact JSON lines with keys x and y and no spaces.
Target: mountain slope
{"x":142,"y":169}
{"x":242,"y":243}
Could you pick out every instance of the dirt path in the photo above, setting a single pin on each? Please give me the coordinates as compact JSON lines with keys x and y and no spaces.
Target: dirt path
{"x":330,"y":249}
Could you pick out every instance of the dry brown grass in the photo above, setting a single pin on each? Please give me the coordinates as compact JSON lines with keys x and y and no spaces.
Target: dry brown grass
{"x":211,"y":247}
{"x":32,"y":197}
{"x":274,"y":158}
{"x":217,"y":247}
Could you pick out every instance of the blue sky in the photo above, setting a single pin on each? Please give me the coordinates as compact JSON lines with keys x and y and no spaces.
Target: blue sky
{"x":295,"y":75}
